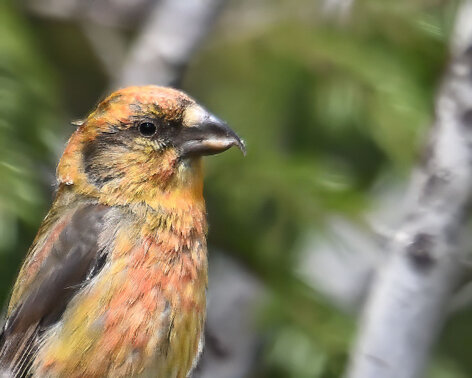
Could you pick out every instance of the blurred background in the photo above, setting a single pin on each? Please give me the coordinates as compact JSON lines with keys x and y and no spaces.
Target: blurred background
{"x":333,"y":98}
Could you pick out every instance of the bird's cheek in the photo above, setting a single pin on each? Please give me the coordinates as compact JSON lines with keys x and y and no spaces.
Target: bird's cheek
{"x":158,"y":167}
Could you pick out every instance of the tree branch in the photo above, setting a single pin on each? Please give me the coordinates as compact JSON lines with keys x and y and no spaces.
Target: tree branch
{"x":172,"y":33}
{"x":407,"y":305}
{"x":109,"y":47}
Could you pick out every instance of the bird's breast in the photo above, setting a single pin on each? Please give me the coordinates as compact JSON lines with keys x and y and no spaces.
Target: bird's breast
{"x":142,"y":315}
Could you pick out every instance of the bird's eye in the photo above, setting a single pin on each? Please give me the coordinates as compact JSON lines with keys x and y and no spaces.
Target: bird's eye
{"x":147,"y":129}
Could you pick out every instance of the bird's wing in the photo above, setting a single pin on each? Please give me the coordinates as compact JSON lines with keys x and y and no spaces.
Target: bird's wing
{"x":65,"y":254}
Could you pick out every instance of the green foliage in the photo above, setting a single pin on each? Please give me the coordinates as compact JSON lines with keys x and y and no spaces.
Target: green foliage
{"x":326,"y":109}
{"x":27,"y":119}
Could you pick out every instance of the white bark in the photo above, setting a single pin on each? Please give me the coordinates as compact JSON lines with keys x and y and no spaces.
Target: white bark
{"x":409,"y":298}
{"x":109,"y":47}
{"x":169,"y":37}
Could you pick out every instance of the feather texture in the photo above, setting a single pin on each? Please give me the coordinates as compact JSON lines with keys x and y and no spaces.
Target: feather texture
{"x":114,"y":283}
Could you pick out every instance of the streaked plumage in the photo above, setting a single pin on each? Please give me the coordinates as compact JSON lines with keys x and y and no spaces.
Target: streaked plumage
{"x":114,"y":283}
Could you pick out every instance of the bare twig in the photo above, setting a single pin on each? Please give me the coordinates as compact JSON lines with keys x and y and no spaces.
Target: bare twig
{"x":341,"y":263}
{"x":408,"y":301}
{"x":172,"y":33}
{"x":109,"y":46}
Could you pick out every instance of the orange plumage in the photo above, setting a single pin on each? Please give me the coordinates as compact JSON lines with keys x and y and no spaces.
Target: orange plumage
{"x":114,"y":283}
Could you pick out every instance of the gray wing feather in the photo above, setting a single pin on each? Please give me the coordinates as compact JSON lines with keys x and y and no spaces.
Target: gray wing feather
{"x":72,"y":257}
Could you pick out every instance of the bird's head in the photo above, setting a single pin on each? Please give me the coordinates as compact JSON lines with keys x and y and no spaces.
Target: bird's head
{"x":143,"y":143}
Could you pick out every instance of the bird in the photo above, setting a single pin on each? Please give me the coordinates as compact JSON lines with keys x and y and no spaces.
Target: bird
{"x":114,"y":283}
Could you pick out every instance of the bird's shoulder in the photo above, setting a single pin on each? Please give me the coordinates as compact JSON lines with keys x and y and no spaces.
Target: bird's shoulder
{"x":65,"y":252}
{"x":70,"y":231}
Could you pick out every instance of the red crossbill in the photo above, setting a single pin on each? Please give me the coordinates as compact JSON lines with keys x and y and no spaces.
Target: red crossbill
{"x":114,"y":282}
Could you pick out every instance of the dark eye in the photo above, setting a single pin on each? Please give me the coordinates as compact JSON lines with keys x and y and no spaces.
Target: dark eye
{"x":147,"y":129}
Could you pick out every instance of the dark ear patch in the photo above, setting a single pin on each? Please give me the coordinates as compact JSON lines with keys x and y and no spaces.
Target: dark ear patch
{"x":98,"y":155}
{"x":98,"y":169}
